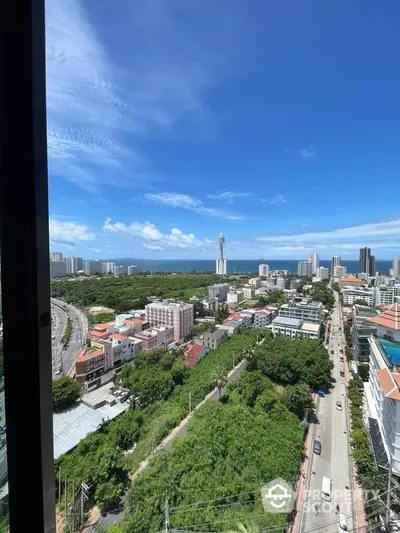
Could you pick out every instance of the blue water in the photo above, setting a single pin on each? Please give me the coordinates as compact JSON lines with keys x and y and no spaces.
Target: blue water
{"x":238,"y":266}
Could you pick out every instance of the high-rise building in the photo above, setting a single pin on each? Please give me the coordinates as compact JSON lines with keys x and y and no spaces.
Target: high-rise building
{"x":133,"y":269}
{"x":221,"y":262}
{"x":304,"y":268}
{"x":179,"y":315}
{"x":73,"y":265}
{"x":93,"y":267}
{"x":120,"y":270}
{"x":263,"y":270}
{"x":339,"y":271}
{"x":57,"y":269}
{"x":365,"y":261}
{"x":372,"y":266}
{"x":322,"y":273}
{"x":107,"y":267}
{"x":314,"y":260}
{"x":57,"y":257}
{"x":335,"y":262}
{"x":218,"y":290}
{"x":396,"y":267}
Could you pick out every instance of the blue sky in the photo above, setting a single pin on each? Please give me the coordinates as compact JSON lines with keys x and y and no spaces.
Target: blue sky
{"x":277,"y":122}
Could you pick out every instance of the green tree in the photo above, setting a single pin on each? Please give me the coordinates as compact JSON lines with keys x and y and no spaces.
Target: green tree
{"x":298,"y":398}
{"x":252,"y":527}
{"x":219,"y":380}
{"x":66,"y":392}
{"x":363,"y":371}
{"x":221,"y":314}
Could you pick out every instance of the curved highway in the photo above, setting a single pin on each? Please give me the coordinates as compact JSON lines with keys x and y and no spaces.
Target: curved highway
{"x":64,"y":359}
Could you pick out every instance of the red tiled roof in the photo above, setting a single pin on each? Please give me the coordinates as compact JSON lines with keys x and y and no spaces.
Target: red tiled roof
{"x":389,"y":319}
{"x":133,"y":322}
{"x":350,"y":279}
{"x":389,"y":383}
{"x":193,"y":354}
{"x":117,"y":337}
{"x":101,"y":327}
{"x":83,"y":356}
{"x":95,"y":333}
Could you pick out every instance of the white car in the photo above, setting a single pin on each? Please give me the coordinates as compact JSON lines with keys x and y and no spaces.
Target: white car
{"x":342,"y":523}
{"x":339,"y":406}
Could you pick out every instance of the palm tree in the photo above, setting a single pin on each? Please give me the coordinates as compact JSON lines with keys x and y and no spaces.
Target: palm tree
{"x":219,"y":380}
{"x":252,"y":527}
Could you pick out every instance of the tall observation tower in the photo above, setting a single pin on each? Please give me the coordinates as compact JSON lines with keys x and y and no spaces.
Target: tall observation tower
{"x":221,"y":262}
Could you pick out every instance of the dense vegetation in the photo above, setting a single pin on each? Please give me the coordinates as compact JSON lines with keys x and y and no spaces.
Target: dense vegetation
{"x":216,"y":465}
{"x":101,"y":318}
{"x":66,"y":392}
{"x":154,"y":375}
{"x":68,"y":331}
{"x":322,"y":293}
{"x":145,"y":426}
{"x":122,"y":294}
{"x":288,"y":363}
{"x":235,"y":446}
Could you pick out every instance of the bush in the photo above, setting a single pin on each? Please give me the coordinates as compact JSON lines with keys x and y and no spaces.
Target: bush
{"x":66,"y":392}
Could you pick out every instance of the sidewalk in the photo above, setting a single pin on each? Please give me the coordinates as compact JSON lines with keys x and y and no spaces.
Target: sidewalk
{"x":304,"y":475}
{"x":361,"y":525}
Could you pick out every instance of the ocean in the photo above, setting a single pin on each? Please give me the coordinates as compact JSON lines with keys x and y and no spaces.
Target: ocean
{"x":237,"y":266}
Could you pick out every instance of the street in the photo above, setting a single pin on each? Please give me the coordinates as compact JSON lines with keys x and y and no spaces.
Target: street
{"x":334,"y":461}
{"x":66,"y":357}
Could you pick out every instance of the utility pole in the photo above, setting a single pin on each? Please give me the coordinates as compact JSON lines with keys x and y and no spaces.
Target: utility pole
{"x":81,"y":505}
{"x":167,"y":529}
{"x":73,"y":507}
{"x":388,"y":492}
{"x":65,"y":495}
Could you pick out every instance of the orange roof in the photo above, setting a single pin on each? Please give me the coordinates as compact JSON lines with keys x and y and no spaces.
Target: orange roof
{"x":95,"y":333}
{"x":389,"y":319}
{"x":350,"y":279}
{"x":389,"y":383}
{"x":133,"y":322}
{"x":100,"y":327}
{"x":83,"y":356}
{"x":117,"y":337}
{"x":193,"y":354}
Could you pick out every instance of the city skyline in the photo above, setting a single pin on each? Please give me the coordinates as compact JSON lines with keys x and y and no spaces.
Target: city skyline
{"x":159,"y":141}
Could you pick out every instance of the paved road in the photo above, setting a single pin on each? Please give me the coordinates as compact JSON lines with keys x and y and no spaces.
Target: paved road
{"x":334,"y":461}
{"x":58,"y":326}
{"x":78,"y":334}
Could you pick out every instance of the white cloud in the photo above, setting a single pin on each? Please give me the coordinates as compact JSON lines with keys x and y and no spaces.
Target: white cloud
{"x":307,"y":153}
{"x":69,"y":233}
{"x":190,"y":203}
{"x":147,"y":231}
{"x":96,"y":250}
{"x":229,"y":196}
{"x":96,"y":98}
{"x":276,"y":199}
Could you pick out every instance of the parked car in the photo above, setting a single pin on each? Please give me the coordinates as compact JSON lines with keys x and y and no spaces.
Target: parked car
{"x":317,"y":447}
{"x":339,"y":406}
{"x":342,"y":523}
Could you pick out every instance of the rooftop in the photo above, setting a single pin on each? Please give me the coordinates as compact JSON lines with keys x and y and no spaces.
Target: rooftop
{"x":88,"y":353}
{"x":308,"y":326}
{"x":364,"y":311}
{"x":350,"y":279}
{"x":390,"y":318}
{"x":193,"y":354}
{"x":133,"y":322}
{"x":117,"y":337}
{"x":215,"y":335}
{"x":391,"y":351}
{"x":288,"y":322}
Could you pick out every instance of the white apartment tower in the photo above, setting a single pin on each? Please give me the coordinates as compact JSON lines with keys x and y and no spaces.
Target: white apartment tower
{"x":263,"y":270}
{"x":56,"y":257}
{"x":335,"y":262}
{"x":396,"y":267}
{"x":314,"y":260}
{"x":221,"y":262}
{"x":179,"y":315}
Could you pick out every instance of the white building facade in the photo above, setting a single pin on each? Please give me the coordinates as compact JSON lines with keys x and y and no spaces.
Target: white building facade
{"x":235,"y":297}
{"x":263,"y":270}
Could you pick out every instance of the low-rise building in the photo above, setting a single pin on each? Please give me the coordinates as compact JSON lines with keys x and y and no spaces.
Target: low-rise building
{"x":352,"y":294}
{"x":218,"y":290}
{"x":322,"y":273}
{"x":304,"y":309}
{"x":215,"y":339}
{"x":350,"y":282}
{"x":255,"y":282}
{"x":282,"y":283}
{"x":90,"y":364}
{"x":179,"y":315}
{"x":269,"y":282}
{"x":156,"y":337}
{"x":263,"y":318}
{"x":361,"y":331}
{"x":194,"y":354}
{"x":248,"y":292}
{"x":339,"y":271}
{"x":384,"y":295}
{"x":211,"y":304}
{"x":295,"y":328}
{"x":235,"y":296}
